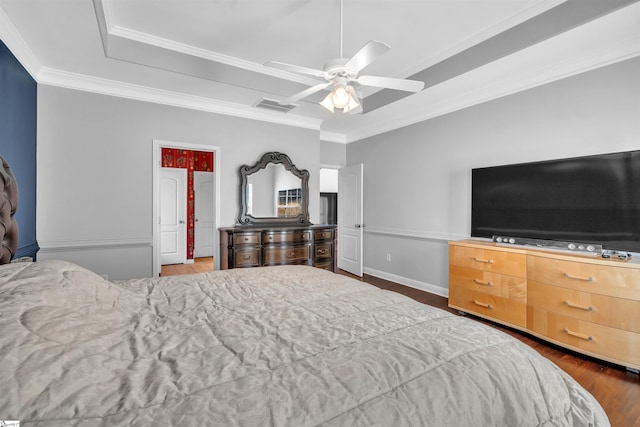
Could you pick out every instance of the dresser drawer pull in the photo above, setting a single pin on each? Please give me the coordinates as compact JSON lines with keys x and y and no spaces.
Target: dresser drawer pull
{"x":480,"y":282}
{"x":581,"y":307}
{"x":486,"y":261}
{"x":291,"y":254}
{"x":322,"y":251}
{"x":245,"y":257}
{"x":577,"y":335}
{"x":481,"y":304}
{"x":586,"y":279}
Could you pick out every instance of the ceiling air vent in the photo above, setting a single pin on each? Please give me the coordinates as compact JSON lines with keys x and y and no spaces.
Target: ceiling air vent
{"x":273,"y":105}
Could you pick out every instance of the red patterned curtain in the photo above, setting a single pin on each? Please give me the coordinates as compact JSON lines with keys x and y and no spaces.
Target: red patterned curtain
{"x":193,"y":161}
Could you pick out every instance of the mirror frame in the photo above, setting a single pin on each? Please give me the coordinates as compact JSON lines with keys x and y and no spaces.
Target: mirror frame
{"x":273,"y":157}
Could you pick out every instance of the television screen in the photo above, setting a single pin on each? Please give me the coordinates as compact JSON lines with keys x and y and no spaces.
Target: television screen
{"x":593,"y":199}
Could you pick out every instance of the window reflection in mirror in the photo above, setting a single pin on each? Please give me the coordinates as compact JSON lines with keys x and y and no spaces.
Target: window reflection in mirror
{"x":273,"y":192}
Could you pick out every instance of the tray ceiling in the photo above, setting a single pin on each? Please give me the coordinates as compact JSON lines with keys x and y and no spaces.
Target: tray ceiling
{"x":209,"y":54}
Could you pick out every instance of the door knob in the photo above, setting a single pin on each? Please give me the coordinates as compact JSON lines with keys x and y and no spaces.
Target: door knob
{"x":181,"y":222}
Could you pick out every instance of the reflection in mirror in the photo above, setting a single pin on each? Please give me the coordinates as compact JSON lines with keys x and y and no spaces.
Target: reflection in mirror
{"x":274,"y":191}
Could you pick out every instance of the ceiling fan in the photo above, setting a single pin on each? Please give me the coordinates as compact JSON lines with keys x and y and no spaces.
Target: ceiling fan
{"x":341,"y":74}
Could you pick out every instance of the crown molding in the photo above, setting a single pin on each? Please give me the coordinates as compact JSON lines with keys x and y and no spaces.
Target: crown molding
{"x":189,"y":50}
{"x":481,"y":36}
{"x":102,"y":86}
{"x":333,"y":137}
{"x":421,"y":106}
{"x":52,"y":77}
{"x":16,"y":44}
{"x":516,"y":72}
{"x":114,"y":30}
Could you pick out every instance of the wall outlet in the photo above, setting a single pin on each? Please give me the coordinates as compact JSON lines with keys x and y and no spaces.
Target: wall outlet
{"x":389,"y":257}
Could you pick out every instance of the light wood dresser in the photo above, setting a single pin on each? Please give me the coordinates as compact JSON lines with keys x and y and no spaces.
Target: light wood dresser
{"x":264,"y":246}
{"x":584,"y":303}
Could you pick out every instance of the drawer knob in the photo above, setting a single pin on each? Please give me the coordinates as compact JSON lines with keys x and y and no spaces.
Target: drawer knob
{"x":577,"y":335}
{"x":291,"y":254}
{"x":486,"y":261}
{"x":246,"y":257}
{"x":583,"y":278}
{"x":480,"y":282}
{"x":322,"y":251}
{"x":481,"y":304}
{"x":581,"y":307}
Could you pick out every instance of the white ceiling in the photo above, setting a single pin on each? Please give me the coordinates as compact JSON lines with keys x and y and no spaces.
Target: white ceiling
{"x":208,"y":54}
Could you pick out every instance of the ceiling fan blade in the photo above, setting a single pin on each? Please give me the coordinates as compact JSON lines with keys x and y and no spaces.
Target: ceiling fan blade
{"x":294,"y":68}
{"x":366,"y":55}
{"x":391,"y":83}
{"x":305,"y":93}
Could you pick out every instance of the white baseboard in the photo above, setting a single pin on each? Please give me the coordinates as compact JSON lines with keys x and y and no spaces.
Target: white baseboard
{"x":423,"y":286}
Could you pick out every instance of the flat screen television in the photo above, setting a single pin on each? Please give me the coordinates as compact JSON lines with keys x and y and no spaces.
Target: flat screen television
{"x":592,"y":199}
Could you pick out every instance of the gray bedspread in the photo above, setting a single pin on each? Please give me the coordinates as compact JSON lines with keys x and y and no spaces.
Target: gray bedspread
{"x":274,"y":346}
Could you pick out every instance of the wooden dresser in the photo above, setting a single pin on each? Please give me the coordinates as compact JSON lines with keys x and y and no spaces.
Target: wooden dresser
{"x":587,"y":304}
{"x":263,"y":246}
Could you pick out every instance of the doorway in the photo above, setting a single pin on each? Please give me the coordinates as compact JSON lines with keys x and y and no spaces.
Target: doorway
{"x":350,"y":219}
{"x":173,"y":209}
{"x":209,"y":211}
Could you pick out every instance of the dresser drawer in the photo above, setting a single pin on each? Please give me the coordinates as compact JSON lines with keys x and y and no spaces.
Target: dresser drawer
{"x":252,"y":238}
{"x":323,"y":250}
{"x":325,"y":265}
{"x":609,"y":280}
{"x":490,"y":306}
{"x":603,"y":310}
{"x":248,"y":257}
{"x":286,"y":237}
{"x":510,"y":287}
{"x":503,"y":262}
{"x":278,"y":255}
{"x":323,"y":234}
{"x":597,"y":340}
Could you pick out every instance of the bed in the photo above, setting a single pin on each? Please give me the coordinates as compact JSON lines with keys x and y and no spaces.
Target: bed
{"x":282,"y":346}
{"x":269,"y":346}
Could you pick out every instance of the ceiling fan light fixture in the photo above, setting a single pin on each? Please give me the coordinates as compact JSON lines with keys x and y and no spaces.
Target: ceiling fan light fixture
{"x":342,"y":98}
{"x":327,"y":103}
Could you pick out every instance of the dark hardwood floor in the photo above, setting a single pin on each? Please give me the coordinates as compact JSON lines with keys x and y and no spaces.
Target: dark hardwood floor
{"x":199,"y":265}
{"x":617,"y":389}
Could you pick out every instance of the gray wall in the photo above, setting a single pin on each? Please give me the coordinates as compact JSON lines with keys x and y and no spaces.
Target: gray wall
{"x":419,"y":198}
{"x":333,"y":154}
{"x":94,"y":198}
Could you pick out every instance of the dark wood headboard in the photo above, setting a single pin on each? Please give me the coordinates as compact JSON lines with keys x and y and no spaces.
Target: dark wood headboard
{"x":8,"y":206}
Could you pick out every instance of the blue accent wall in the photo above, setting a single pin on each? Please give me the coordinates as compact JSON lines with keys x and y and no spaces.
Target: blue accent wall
{"x":18,"y":112}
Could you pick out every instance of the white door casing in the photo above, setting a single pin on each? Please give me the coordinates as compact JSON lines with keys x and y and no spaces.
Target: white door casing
{"x":173,"y":213}
{"x":204,"y":226}
{"x":350,"y":217}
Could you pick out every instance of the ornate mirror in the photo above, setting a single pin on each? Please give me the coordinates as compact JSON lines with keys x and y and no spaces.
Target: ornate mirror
{"x":273,"y":192}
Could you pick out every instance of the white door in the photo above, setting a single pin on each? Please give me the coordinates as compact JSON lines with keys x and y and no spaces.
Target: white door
{"x":350,"y":219}
{"x":204,"y":227}
{"x":173,"y":213}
